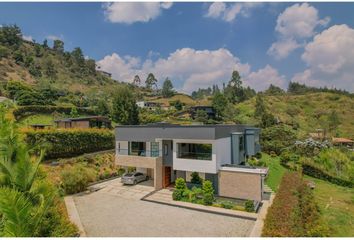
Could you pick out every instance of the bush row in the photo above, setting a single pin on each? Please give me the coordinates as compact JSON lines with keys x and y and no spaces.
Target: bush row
{"x":24,"y":111}
{"x":61,"y":143}
{"x":315,"y":172}
{"x":294,"y":212}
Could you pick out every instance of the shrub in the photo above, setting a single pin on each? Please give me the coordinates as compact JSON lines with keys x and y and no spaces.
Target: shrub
{"x":227,"y":204}
{"x":180,"y":184}
{"x":294,"y":212}
{"x":249,"y":206}
{"x":75,"y":179}
{"x":177,"y":194}
{"x":195,"y":179}
{"x":208,"y":199}
{"x":121,"y":171}
{"x":289,"y":157}
{"x":63,"y":143}
{"x":208,"y":192}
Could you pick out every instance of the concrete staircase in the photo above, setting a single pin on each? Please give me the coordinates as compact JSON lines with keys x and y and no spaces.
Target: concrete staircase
{"x":267,"y":189}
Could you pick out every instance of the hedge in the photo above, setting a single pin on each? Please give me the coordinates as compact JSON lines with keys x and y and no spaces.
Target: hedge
{"x":294,"y":212}
{"x":61,"y":143}
{"x":23,"y":111}
{"x":315,"y":172}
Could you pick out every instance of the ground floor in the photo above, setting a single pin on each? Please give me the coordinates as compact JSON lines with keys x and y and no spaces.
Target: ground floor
{"x":117,"y":211}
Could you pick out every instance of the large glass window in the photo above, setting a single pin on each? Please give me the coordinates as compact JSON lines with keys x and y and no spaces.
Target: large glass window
{"x":194,"y":151}
{"x":154,"y":146}
{"x":138,"y":148}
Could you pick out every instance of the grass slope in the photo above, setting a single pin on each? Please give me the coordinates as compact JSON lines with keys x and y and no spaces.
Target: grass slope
{"x":276,"y":171}
{"x":337,"y":207}
{"x":310,"y":111}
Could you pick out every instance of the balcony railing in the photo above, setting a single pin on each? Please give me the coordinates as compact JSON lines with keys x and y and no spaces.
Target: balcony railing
{"x":141,"y":153}
{"x":195,"y":155}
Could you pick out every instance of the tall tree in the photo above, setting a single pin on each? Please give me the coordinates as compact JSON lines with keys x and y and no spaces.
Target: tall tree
{"x":136,"y":80}
{"x":150,"y":81}
{"x":234,"y":90}
{"x":219,"y":104}
{"x":78,"y":56}
{"x":260,"y":106}
{"x":124,"y":109}
{"x":58,"y":45}
{"x":167,"y":88}
{"x":45,"y":43}
{"x":10,"y":36}
{"x":333,"y":122}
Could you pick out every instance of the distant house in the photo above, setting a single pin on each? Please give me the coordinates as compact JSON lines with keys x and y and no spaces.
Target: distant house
{"x":84,"y":122}
{"x":208,"y":109}
{"x":148,"y":105}
{"x":343,"y":142}
{"x":318,"y":134}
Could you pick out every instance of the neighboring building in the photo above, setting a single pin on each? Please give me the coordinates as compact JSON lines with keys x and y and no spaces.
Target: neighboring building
{"x":343,"y":142}
{"x":208,"y":109}
{"x":319,"y":134}
{"x":217,"y":152}
{"x":148,"y":105}
{"x":84,"y":122}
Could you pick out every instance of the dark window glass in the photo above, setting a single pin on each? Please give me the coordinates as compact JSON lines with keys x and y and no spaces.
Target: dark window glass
{"x":194,"y":151}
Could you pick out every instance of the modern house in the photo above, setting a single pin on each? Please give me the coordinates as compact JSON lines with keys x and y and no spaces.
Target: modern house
{"x":208,"y":109}
{"x":217,"y":152}
{"x":84,"y":122}
{"x":148,"y":105}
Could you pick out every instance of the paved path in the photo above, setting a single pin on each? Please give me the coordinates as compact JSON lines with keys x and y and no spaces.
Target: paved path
{"x":117,"y":211}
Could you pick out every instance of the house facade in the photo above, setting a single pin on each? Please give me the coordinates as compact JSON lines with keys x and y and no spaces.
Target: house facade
{"x":217,"y":152}
{"x":84,"y":122}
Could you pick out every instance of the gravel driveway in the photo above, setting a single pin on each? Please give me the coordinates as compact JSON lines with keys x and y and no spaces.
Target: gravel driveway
{"x":107,"y":214}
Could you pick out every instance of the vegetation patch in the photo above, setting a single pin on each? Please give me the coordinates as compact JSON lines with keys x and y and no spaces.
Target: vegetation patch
{"x":61,"y":143}
{"x":294,"y":212}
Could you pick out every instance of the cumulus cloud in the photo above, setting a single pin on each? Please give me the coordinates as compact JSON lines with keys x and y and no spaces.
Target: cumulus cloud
{"x":27,"y":38}
{"x":131,"y":12}
{"x":229,"y":12}
{"x":261,"y":79}
{"x":330,"y":59}
{"x":191,"y":69}
{"x":295,"y":24}
{"x":54,"y":37}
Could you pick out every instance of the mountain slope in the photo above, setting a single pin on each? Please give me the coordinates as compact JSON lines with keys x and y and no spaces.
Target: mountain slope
{"x":309,"y":111}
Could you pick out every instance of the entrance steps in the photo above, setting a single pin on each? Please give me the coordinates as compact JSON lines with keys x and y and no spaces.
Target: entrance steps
{"x":267,"y":189}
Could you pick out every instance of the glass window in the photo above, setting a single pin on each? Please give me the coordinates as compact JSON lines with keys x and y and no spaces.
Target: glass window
{"x":194,"y":151}
{"x":154,"y":148}
{"x":138,"y":148}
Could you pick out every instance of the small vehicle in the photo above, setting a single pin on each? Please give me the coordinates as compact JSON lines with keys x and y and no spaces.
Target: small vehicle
{"x":133,"y":178}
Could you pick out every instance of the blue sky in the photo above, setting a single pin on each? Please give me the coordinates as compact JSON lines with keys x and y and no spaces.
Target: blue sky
{"x":199,"y":44}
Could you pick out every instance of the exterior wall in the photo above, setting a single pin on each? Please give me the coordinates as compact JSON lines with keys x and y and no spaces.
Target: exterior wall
{"x":80,"y":124}
{"x":240,"y":185}
{"x":223,"y":151}
{"x":204,"y":166}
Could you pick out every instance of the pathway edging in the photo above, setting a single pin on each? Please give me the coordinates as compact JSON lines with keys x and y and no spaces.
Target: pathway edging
{"x":74,"y":215}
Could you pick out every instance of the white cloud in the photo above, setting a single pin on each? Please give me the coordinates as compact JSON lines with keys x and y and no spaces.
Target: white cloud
{"x":53,"y":37}
{"x":295,"y":24}
{"x":27,"y":38}
{"x":191,"y":69}
{"x":229,"y":12}
{"x":122,"y":68}
{"x":282,"y":48}
{"x":330,"y":59}
{"x":130,"y":12}
{"x":261,"y":79}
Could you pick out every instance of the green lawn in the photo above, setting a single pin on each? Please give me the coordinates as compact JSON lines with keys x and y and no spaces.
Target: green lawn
{"x":276,"y":171}
{"x":337,"y":207}
{"x":37,"y":119}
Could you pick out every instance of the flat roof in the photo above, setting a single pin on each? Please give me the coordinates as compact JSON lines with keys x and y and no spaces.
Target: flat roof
{"x":151,"y":132}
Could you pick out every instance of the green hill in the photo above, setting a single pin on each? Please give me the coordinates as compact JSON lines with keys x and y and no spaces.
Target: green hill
{"x":308,"y":111}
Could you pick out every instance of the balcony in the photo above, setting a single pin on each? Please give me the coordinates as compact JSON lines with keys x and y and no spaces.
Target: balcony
{"x":138,"y":158}
{"x":138,"y":152}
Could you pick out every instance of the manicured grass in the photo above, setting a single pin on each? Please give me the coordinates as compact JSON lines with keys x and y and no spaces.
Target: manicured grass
{"x":276,"y":171}
{"x":37,"y":119}
{"x":337,"y":207}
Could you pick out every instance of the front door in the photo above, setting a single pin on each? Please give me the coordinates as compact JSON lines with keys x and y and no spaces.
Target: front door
{"x":167,"y":174}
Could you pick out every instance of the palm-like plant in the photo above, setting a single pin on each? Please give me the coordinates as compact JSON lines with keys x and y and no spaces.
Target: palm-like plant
{"x":23,"y":204}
